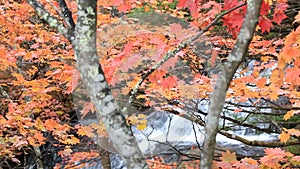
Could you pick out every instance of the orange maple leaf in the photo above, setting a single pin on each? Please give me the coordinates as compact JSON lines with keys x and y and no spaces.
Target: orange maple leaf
{"x":228,"y":156}
{"x":284,"y":136}
{"x":288,"y":115}
{"x":51,"y":124}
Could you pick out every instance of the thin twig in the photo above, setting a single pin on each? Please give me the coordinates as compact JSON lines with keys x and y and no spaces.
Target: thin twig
{"x":181,"y":46}
{"x":52,"y":21}
{"x":67,"y":14}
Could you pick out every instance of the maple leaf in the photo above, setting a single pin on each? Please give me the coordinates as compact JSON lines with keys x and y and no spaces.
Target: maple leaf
{"x":87,"y":107}
{"x":81,"y":131}
{"x":265,"y":24}
{"x":50,"y":124}
{"x":158,"y":41}
{"x":250,"y":161}
{"x":284,"y":136}
{"x":182,"y":4}
{"x":131,"y":62}
{"x":34,"y":46}
{"x":276,"y":153}
{"x":39,"y":124}
{"x":175,"y":28}
{"x":270,"y":162}
{"x":169,"y":82}
{"x":72,"y":140}
{"x":157,"y":75}
{"x":292,"y":76}
{"x":261,"y":82}
{"x":288,"y":115}
{"x":264,"y":9}
{"x":141,"y":126}
{"x":278,"y":17}
{"x":297,"y":17}
{"x":289,"y":53}
{"x":273,"y":95}
{"x":225,"y":165}
{"x":247,"y":163}
{"x":228,"y":156}
{"x":296,"y":159}
{"x":188,"y":91}
{"x":65,"y":153}
{"x":269,"y":2}
{"x":124,"y":7}
{"x":190,"y":4}
{"x":293,"y":131}
{"x":279,"y":14}
{"x":39,"y":137}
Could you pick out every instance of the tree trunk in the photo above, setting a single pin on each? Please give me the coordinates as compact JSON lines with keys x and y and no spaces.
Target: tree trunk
{"x":93,"y":77}
{"x":224,"y":78}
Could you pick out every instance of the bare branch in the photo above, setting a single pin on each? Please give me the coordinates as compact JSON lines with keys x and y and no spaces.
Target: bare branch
{"x":181,"y":46}
{"x":225,"y":76}
{"x":51,"y":20}
{"x":260,"y":143}
{"x":67,"y":14}
{"x":276,"y":107}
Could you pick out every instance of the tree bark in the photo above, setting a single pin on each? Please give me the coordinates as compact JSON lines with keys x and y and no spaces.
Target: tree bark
{"x":224,"y":78}
{"x":93,"y":77}
{"x":83,"y":39}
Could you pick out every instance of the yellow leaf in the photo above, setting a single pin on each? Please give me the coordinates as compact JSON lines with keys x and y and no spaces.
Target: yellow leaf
{"x":265,"y":58}
{"x":81,"y":131}
{"x":39,"y":124}
{"x":284,"y":136}
{"x":141,"y":116}
{"x":141,"y":126}
{"x":288,"y":115}
{"x":70,"y":140}
{"x":274,"y":95}
{"x":60,"y":113}
{"x":270,"y":2}
{"x":132,"y":119}
{"x":141,"y":96}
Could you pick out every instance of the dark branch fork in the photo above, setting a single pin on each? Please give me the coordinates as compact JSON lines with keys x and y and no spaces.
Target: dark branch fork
{"x":67,"y":14}
{"x":180,"y":47}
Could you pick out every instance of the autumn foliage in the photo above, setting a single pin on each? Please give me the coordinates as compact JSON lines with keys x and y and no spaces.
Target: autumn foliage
{"x":38,"y":73}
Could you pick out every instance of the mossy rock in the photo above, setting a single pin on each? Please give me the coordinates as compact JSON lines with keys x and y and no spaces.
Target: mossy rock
{"x":158,"y":19}
{"x":295,"y":149}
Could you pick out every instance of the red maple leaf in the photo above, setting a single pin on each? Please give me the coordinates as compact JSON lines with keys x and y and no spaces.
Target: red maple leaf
{"x":192,"y":5}
{"x":131,"y":62}
{"x":279,"y":14}
{"x":157,"y":75}
{"x":169,"y":82}
{"x":278,"y":17}
{"x":265,"y":8}
{"x":265,"y":24}
{"x":124,"y":7}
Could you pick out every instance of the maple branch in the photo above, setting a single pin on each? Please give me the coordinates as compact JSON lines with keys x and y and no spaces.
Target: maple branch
{"x":276,"y":107}
{"x":67,"y":14}
{"x":52,"y":21}
{"x":225,"y":77}
{"x":260,"y":143}
{"x":181,"y":46}
{"x":37,"y":151}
